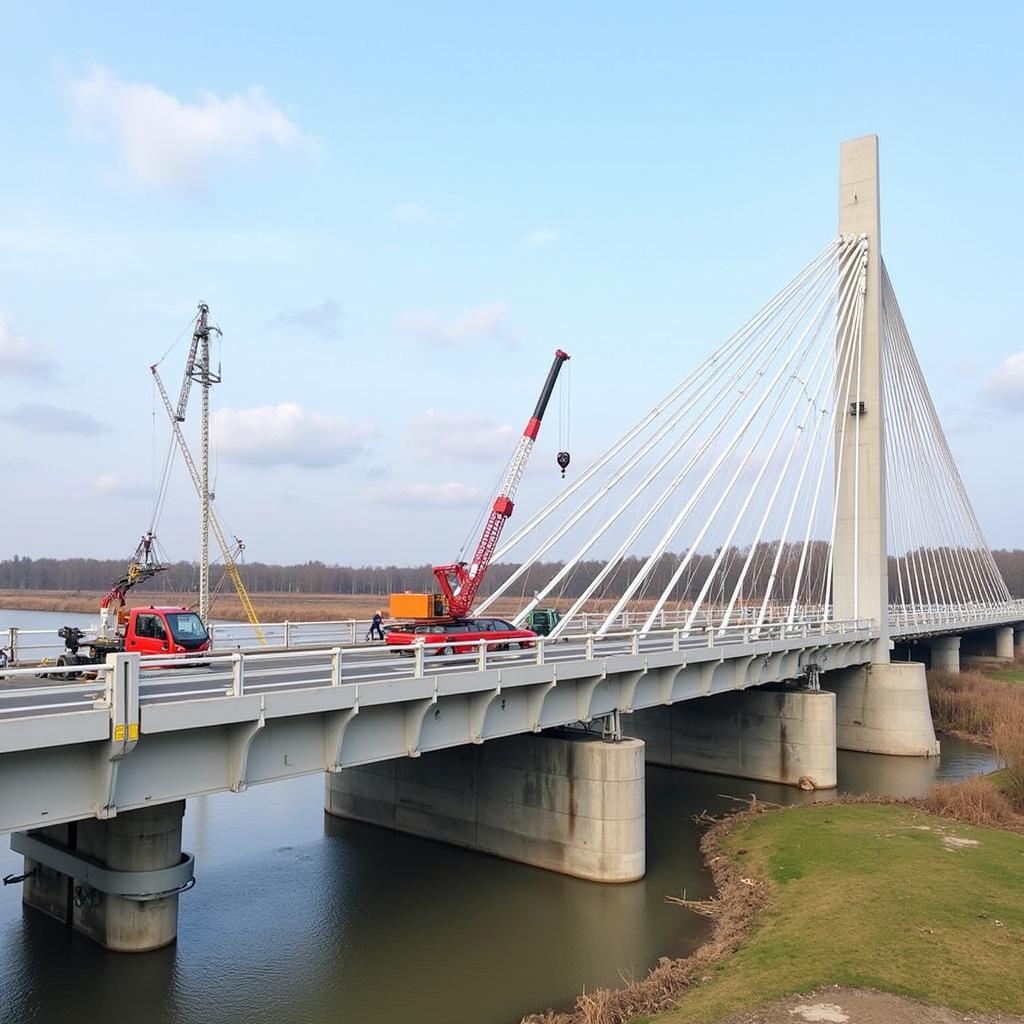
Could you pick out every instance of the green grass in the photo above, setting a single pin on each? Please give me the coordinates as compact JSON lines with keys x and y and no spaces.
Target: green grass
{"x":1008,"y":675}
{"x":862,"y":895}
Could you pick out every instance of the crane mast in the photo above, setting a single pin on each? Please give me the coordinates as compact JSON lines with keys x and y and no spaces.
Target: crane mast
{"x":199,"y":480}
{"x":460,"y":582}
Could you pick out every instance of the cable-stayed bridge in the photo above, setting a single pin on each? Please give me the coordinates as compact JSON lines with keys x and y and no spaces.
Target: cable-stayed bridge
{"x":780,"y":536}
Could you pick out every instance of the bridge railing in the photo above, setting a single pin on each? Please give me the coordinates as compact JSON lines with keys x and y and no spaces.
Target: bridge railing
{"x":20,"y":646}
{"x":236,"y":673}
{"x":944,"y":615}
{"x":158,"y":678}
{"x":55,"y":688}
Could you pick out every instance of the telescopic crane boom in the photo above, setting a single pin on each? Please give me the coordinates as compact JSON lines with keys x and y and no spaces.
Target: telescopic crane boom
{"x":460,"y":582}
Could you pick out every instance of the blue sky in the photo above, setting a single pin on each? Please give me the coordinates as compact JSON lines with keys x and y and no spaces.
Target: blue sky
{"x":397,"y":212}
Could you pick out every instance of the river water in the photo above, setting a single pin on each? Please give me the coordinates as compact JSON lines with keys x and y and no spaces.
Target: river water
{"x":299,"y":918}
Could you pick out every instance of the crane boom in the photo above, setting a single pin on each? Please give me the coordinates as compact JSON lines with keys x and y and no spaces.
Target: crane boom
{"x":229,"y":559}
{"x":141,"y":567}
{"x":459,"y":583}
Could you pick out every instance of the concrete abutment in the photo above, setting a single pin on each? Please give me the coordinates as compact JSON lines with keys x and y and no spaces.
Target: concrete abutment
{"x":140,"y":841}
{"x":771,"y":734}
{"x":569,"y":802}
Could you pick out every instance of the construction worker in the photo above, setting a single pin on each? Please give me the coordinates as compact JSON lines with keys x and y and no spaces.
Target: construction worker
{"x":376,"y":629}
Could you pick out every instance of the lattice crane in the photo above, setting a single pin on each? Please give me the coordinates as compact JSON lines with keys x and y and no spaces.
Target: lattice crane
{"x":230,"y":565}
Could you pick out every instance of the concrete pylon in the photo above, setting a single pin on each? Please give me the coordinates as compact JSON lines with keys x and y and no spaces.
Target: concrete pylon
{"x":860,"y":582}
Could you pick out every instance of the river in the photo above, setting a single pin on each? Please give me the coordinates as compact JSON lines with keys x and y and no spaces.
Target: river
{"x":299,"y":918}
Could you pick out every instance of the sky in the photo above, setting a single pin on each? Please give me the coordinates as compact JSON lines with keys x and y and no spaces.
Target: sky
{"x":396,"y":212}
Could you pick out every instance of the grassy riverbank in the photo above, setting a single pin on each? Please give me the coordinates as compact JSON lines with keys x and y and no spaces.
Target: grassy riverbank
{"x":854,"y":894}
{"x":880,"y":896}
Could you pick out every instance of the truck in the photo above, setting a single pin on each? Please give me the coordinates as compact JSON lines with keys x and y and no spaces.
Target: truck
{"x":153,"y":630}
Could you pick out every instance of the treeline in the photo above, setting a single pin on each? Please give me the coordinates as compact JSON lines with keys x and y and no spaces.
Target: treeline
{"x":92,"y":574}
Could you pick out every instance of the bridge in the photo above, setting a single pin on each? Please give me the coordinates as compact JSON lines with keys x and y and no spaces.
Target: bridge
{"x":782,"y":537}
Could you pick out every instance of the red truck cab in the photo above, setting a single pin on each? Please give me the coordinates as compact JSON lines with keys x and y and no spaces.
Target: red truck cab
{"x":165,"y":631}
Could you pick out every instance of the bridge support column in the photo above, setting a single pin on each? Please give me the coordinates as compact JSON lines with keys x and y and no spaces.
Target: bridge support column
{"x":1004,"y":642}
{"x":775,"y":735}
{"x":883,"y":709}
{"x":568,"y":802}
{"x":133,"y":847}
{"x":1018,"y":642}
{"x":945,"y":653}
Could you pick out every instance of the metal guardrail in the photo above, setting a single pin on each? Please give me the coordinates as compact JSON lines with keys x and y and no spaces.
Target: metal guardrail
{"x":27,"y":646}
{"x":156,"y":678}
{"x":950,"y":616}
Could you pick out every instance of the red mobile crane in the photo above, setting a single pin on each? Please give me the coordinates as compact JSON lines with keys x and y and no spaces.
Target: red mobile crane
{"x":459,"y":581}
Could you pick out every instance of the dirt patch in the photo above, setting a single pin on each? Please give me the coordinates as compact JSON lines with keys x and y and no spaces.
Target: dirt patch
{"x":860,"y":1006}
{"x":958,"y":843}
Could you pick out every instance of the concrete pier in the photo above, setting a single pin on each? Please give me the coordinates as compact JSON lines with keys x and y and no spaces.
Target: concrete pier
{"x":1018,"y":642}
{"x":568,"y":802}
{"x":883,"y":709}
{"x":771,"y":734}
{"x":1004,"y":642}
{"x":145,"y":840}
{"x":945,"y":653}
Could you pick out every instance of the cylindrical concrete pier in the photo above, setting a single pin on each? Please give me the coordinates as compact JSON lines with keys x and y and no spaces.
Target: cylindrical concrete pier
{"x":945,"y":653}
{"x":142,"y":840}
{"x":1018,"y":642}
{"x":1004,"y":642}
{"x":568,"y":802}
{"x":883,"y":709}
{"x":771,"y":734}
{"x":148,"y":839}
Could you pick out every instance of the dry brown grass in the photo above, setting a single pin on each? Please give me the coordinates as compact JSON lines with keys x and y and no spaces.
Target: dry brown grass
{"x":988,"y":710}
{"x":1008,"y":740}
{"x":271,"y":607}
{"x":972,"y":704}
{"x":975,"y":801}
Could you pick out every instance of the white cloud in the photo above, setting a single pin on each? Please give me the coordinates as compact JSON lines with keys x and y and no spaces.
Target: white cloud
{"x":413,"y":495}
{"x":541,"y":236}
{"x":38,"y":417}
{"x":120,"y":486}
{"x":451,"y":437}
{"x":166,"y":142}
{"x":324,"y":319}
{"x":1006,"y":385}
{"x":19,"y":358}
{"x":484,"y":323}
{"x":288,"y":435}
{"x":413,"y":213}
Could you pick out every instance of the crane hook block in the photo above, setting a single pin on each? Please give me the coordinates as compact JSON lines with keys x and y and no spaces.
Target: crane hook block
{"x":563,"y":462}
